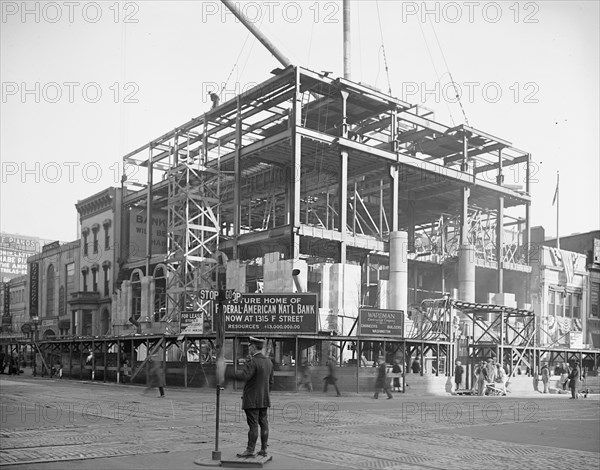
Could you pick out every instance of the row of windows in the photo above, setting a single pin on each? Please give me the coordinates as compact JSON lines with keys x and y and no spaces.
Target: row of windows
{"x":95,"y":242}
{"x":564,"y":304}
{"x":94,"y":280}
{"x":16,"y":296}
{"x":50,"y":294}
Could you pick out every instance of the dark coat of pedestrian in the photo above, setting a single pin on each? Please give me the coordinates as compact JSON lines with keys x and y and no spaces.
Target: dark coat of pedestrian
{"x":564,"y":377}
{"x":382,"y":381}
{"x":416,"y":366}
{"x":397,"y":370}
{"x":545,"y":372}
{"x":574,"y":380}
{"x":331,"y":377}
{"x":459,"y":371}
{"x":258,"y":375}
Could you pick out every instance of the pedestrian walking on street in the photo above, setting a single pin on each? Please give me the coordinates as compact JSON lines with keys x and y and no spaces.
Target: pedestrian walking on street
{"x":574,"y":379}
{"x":490,"y":368}
{"x":481,"y":375}
{"x":501,"y":378}
{"x":545,"y":377}
{"x":416,"y":366}
{"x":564,"y":377}
{"x":156,"y":376}
{"x":382,"y":380}
{"x":306,"y":376}
{"x":459,"y":370}
{"x":13,"y":366}
{"x":258,"y":375}
{"x":331,"y":377}
{"x":126,"y":369}
{"x":397,"y":370}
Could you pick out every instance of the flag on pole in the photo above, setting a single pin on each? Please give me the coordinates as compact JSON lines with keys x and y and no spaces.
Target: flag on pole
{"x":556,"y":190}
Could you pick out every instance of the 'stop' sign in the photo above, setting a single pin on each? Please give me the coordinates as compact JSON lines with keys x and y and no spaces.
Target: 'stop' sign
{"x":272,"y":313}
{"x":376,"y":322}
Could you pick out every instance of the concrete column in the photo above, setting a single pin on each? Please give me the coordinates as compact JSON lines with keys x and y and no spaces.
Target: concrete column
{"x":398,"y":284}
{"x":411,"y":226}
{"x":325,"y":293}
{"x":128,"y":293}
{"x":466,"y":273}
{"x":145,"y":300}
{"x":277,"y":274}
{"x":236,"y":275}
{"x":118,"y":303}
{"x":151,"y":297}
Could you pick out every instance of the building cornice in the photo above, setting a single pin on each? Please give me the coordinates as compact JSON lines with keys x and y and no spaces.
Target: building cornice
{"x":98,"y":203}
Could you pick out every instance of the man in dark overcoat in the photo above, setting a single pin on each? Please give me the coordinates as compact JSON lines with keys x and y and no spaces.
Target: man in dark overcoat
{"x":258,"y":375}
{"x":574,"y":380}
{"x":331,"y":377}
{"x":382,"y":380}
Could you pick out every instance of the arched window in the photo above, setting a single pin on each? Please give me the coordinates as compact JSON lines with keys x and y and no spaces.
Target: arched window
{"x":49,"y":334}
{"x":62,"y":302}
{"x":105,"y":322}
{"x":95,"y":229}
{"x":84,"y":233}
{"x":50,"y":291}
{"x":136,"y":293}
{"x":95,"y":268}
{"x":84,"y":272}
{"x":160,"y":291}
{"x":106,"y":269}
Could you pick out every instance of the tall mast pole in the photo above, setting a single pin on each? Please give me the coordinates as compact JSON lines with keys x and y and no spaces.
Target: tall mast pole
{"x":347,"y":43}
{"x":557,"y":210}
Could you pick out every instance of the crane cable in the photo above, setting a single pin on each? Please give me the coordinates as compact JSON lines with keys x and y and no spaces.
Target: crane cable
{"x":435,"y":69}
{"x":450,"y":74}
{"x":387,"y":71}
{"x":235,"y":64}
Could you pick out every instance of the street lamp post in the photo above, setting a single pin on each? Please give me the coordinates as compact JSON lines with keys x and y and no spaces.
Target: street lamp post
{"x":35,"y":321}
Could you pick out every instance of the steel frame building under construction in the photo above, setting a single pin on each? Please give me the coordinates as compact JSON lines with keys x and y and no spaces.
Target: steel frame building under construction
{"x":358,"y":190}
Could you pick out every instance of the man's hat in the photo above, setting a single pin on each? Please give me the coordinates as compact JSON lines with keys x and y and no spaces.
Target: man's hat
{"x":256,"y":342}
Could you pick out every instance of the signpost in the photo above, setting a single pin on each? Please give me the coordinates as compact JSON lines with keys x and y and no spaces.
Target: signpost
{"x":378,"y":322}
{"x":254,"y":314}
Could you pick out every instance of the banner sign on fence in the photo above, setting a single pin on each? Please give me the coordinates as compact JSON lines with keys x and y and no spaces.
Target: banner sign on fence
{"x":377,"y":322}
{"x":271,"y":313}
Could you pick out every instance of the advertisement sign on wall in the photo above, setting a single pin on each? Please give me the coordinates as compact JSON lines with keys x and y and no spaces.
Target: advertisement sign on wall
{"x":6,"y":299}
{"x":14,"y":251}
{"x":272,"y":313}
{"x":33,"y":290}
{"x":378,"y":322}
{"x":137,"y":233}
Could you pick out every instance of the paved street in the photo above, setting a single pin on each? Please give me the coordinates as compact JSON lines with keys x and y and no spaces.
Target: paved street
{"x":62,"y":424}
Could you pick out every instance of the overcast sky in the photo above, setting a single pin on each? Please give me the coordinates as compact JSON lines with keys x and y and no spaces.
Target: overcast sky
{"x":83,"y":83}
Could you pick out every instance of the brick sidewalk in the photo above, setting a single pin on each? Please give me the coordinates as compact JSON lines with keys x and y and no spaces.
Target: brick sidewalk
{"x":49,"y":424}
